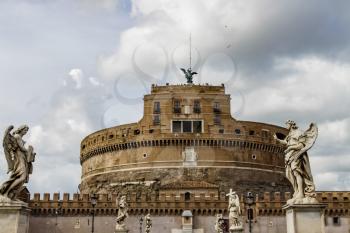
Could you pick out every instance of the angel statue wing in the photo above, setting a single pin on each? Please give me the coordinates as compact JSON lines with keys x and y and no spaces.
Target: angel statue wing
{"x":183,"y":70}
{"x":238,"y":205}
{"x":10,"y":146}
{"x":308,"y":138}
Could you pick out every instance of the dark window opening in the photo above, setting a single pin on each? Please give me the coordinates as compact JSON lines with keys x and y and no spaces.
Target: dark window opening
{"x":156,"y":107}
{"x":237,"y":131}
{"x":177,"y":106}
{"x":216,"y":107}
{"x":221,"y":130}
{"x":197,"y":126}
{"x":217,"y":119}
{"x":197,"y":106}
{"x":336,"y":221}
{"x":176,"y":126}
{"x":136,"y":132}
{"x":111,"y":136}
{"x":251,"y":132}
{"x":187,"y":196}
{"x":187,"y":126}
{"x":151,"y":131}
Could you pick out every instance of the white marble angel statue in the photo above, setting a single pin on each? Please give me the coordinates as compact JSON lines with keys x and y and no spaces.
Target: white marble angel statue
{"x":122,"y":214}
{"x":19,"y":161}
{"x":148,"y":223}
{"x":235,"y":212}
{"x":219,"y":224}
{"x":297,"y":162}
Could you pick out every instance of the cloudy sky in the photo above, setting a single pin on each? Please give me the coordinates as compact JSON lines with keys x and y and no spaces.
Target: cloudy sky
{"x":69,"y":68}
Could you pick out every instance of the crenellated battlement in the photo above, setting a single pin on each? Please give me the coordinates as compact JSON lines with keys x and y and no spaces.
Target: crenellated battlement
{"x":172,"y":204}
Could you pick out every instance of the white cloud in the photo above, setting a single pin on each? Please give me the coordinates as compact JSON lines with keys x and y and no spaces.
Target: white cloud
{"x":307,"y":85}
{"x":289,"y":66}
{"x":94,"y":81}
{"x":77,"y":76}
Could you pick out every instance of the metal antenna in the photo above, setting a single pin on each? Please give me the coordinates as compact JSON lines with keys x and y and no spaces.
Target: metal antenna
{"x":189,"y":73}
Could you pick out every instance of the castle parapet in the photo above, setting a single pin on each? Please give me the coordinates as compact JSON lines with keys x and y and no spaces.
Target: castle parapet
{"x":171,"y":204}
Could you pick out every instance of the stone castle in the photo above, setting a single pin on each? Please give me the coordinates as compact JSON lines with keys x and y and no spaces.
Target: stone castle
{"x":185,"y":153}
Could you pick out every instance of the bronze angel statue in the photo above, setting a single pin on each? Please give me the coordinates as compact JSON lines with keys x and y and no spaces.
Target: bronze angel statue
{"x":19,"y":161}
{"x":298,"y":170}
{"x":188,"y":74}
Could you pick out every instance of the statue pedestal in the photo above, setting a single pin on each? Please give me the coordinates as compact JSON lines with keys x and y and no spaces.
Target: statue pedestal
{"x":236,"y":229}
{"x":14,"y":217}
{"x":121,"y":231}
{"x":305,"y":218}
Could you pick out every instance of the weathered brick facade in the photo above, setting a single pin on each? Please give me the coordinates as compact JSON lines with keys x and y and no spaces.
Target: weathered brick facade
{"x":184,"y":154}
{"x":150,"y":153}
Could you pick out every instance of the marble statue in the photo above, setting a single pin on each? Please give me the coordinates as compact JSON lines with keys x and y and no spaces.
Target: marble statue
{"x":220,"y":224}
{"x":122,"y":214}
{"x":19,"y":160}
{"x":148,"y":223}
{"x":234,"y":209}
{"x":188,"y":74}
{"x":297,"y":163}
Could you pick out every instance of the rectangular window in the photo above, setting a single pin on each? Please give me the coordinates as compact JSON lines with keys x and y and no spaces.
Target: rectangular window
{"x":177,"y":106}
{"x":156,"y":119}
{"x":197,"y":106}
{"x":265,"y":133}
{"x":187,"y":126}
{"x":197,"y":126}
{"x":176,"y":126}
{"x":216,"y":107}
{"x":217,"y":119}
{"x":156,"y":107}
{"x":336,"y":221}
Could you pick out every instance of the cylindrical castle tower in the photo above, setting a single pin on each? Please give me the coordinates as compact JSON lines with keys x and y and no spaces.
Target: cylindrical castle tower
{"x":187,"y":134}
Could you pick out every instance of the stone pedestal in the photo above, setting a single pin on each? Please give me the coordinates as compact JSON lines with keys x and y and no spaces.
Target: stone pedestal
{"x":305,"y":218}
{"x":14,"y":217}
{"x":236,"y":230}
{"x":121,"y":231}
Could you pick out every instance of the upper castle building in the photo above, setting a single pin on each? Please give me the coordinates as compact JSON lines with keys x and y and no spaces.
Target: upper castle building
{"x":177,"y":163}
{"x":187,"y":138}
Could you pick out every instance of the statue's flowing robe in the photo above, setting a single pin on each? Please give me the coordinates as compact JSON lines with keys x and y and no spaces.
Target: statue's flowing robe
{"x":20,"y":172}
{"x":302,"y":166}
